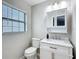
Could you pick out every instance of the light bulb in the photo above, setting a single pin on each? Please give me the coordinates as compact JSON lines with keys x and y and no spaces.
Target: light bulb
{"x":63,"y":4}
{"x":49,"y":8}
{"x":55,"y":6}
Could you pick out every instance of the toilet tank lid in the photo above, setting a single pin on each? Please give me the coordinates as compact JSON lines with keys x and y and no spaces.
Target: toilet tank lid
{"x":35,"y":39}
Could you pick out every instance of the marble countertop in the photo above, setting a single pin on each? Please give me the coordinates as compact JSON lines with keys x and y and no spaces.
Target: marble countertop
{"x":65,"y":43}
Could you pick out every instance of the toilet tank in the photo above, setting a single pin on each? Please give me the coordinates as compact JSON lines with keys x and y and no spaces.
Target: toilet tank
{"x":36,"y":42}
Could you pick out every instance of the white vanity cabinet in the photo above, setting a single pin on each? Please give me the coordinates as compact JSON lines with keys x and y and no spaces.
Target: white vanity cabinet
{"x":55,"y":50}
{"x":57,"y":21}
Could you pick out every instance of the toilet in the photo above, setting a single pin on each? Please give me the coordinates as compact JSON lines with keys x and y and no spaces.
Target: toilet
{"x":31,"y":52}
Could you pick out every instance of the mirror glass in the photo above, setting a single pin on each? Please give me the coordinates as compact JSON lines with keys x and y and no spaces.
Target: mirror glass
{"x":60,"y":20}
{"x":53,"y":21}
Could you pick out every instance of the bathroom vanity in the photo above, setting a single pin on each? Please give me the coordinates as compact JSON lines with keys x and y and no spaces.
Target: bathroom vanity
{"x":55,"y":49}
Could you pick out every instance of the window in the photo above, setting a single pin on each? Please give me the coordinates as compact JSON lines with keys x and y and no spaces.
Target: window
{"x":13,"y":20}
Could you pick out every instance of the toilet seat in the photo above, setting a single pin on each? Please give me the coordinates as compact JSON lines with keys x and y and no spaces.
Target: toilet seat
{"x":30,"y":51}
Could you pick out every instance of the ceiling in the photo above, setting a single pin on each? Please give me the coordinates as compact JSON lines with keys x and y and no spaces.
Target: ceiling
{"x":33,"y":2}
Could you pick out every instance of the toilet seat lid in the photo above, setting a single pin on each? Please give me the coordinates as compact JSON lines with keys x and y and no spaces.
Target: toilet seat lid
{"x":30,"y":50}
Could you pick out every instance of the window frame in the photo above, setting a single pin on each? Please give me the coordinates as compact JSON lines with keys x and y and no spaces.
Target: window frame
{"x":14,"y":20}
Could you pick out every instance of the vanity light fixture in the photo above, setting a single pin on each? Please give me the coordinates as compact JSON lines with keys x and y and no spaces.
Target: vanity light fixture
{"x":56,"y":6}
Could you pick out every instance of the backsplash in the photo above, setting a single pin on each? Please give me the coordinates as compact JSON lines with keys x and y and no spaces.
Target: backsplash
{"x":59,"y":36}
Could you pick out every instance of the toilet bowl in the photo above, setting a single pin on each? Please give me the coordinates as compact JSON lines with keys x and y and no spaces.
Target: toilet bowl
{"x":31,"y":52}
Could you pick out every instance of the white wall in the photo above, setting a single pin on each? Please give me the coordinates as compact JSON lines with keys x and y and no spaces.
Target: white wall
{"x":73,"y":36}
{"x":39,"y":21}
{"x":13,"y":44}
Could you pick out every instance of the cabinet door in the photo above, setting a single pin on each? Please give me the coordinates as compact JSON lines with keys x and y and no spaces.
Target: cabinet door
{"x":60,"y":56}
{"x":46,"y":53}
